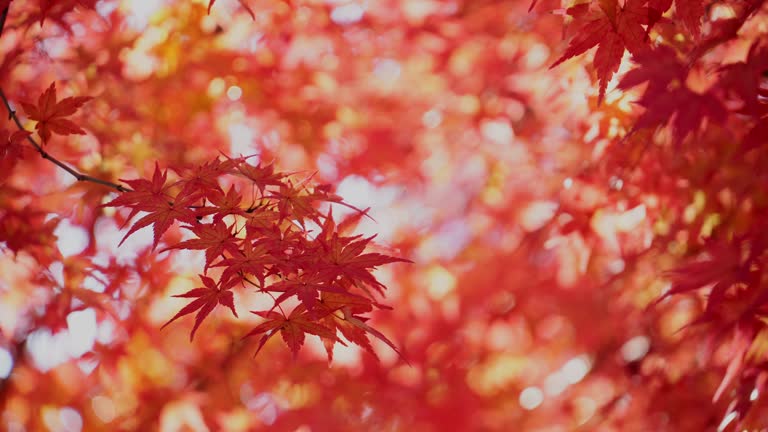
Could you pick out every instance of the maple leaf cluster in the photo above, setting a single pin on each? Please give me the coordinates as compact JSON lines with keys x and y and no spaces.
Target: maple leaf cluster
{"x":265,"y":244}
{"x":697,"y":123}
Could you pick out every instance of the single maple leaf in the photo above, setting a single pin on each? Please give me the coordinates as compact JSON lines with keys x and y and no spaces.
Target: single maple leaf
{"x":50,"y":114}
{"x":204,"y":177}
{"x":659,"y":68}
{"x":723,"y":267}
{"x":261,"y":176}
{"x":333,"y":302}
{"x":744,"y":80}
{"x":292,"y":328}
{"x":687,"y":11}
{"x":742,"y":340}
{"x":143,"y":191}
{"x":252,"y":258}
{"x":215,"y":238}
{"x":667,"y":98}
{"x":612,"y":29}
{"x":11,"y":150}
{"x":359,"y":322}
{"x":206,"y":299}
{"x":226,"y":204}
{"x":351,"y":332}
{"x":152,"y":197}
{"x":298,"y":202}
{"x":723,"y":30}
{"x":306,"y":288}
{"x":683,"y":108}
{"x":344,"y":257}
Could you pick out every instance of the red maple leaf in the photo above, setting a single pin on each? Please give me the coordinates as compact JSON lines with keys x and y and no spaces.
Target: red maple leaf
{"x":343,"y":256}
{"x":261,"y":176}
{"x":206,"y":299}
{"x":292,"y":328}
{"x":226,"y":204}
{"x":50,"y":114}
{"x":251,"y":259}
{"x":204,"y":177}
{"x":11,"y":150}
{"x":153,"y":197}
{"x":215,"y":238}
{"x":333,"y":302}
{"x":658,"y":67}
{"x":612,"y":29}
{"x":744,"y":80}
{"x":306,"y":288}
{"x":298,"y":202}
{"x":667,"y":98}
{"x":686,"y":108}
{"x":688,"y":11}
{"x":359,"y":323}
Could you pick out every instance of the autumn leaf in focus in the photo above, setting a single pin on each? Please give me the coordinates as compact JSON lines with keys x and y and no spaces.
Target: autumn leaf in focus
{"x":153,"y":198}
{"x":291,"y":328}
{"x":206,"y":299}
{"x":50,"y":114}
{"x":213,"y":238}
{"x":611,"y":29}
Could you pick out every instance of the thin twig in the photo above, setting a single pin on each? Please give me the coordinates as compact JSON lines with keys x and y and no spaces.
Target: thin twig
{"x":12,"y":115}
{"x":45,"y":155}
{"x":3,"y":16}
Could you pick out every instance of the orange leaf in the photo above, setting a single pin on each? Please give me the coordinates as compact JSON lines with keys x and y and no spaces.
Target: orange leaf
{"x":50,"y":114}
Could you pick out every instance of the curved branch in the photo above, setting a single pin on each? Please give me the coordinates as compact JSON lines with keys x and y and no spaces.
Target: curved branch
{"x":45,"y":155}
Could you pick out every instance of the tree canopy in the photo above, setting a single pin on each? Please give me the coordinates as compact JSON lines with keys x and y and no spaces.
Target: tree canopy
{"x":406,"y":215}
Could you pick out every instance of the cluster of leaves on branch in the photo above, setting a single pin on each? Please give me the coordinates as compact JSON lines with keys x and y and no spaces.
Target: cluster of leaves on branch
{"x":265,"y":244}
{"x":701,"y":127}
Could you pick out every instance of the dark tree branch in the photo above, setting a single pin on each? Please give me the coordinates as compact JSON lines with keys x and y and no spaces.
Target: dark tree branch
{"x":45,"y":155}
{"x":3,"y":16}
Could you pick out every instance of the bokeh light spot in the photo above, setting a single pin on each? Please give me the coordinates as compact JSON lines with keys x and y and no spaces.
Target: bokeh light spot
{"x":576,"y":369}
{"x":234,"y":93}
{"x":347,"y":14}
{"x":531,"y":398}
{"x":104,"y":408}
{"x":635,"y":348}
{"x":6,"y":363}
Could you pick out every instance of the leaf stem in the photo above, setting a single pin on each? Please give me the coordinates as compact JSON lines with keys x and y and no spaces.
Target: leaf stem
{"x":45,"y":155}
